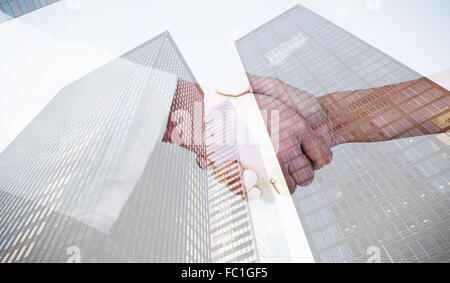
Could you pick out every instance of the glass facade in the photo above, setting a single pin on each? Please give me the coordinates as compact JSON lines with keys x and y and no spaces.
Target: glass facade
{"x":383,"y":201}
{"x":15,"y":8}
{"x":232,"y":238}
{"x":91,"y":178}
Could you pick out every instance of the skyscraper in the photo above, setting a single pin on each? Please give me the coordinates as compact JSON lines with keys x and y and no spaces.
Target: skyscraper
{"x":385,"y":201}
{"x":15,"y":8}
{"x":232,"y":238}
{"x":89,"y":179}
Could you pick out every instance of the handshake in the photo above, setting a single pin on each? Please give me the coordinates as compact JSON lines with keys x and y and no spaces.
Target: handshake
{"x":299,"y":129}
{"x":309,"y":126}
{"x":304,"y":144}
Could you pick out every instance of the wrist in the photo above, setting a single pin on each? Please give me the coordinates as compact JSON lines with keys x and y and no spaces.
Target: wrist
{"x":341,"y":123}
{"x":348,"y":123}
{"x":337,"y":127}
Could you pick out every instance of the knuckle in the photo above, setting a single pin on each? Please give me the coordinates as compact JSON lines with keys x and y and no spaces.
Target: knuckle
{"x":307,"y":182}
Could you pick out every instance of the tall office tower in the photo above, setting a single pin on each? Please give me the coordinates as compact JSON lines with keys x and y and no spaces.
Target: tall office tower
{"x":15,"y":8}
{"x":380,"y":201}
{"x":89,"y":179}
{"x":232,"y":238}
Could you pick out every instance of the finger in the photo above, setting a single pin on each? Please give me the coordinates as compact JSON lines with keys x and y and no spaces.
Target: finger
{"x":301,"y":170}
{"x":273,"y":87}
{"x":269,"y":85}
{"x":285,"y":93}
{"x":265,"y":85}
{"x":285,"y":159}
{"x":196,"y":148}
{"x":318,"y":152}
{"x":229,"y":174}
{"x":291,"y":183}
{"x":298,"y":166}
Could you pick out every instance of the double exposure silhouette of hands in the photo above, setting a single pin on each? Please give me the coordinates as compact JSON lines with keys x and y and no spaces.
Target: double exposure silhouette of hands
{"x":310,"y":126}
{"x":304,"y":138}
{"x":186,"y":128}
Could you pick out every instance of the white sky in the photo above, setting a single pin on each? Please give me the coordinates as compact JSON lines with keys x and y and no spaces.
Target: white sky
{"x":47,"y":49}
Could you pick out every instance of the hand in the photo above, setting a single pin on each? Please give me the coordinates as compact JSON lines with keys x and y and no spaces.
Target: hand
{"x":305,"y":138}
{"x":185,"y":126}
{"x":310,"y":126}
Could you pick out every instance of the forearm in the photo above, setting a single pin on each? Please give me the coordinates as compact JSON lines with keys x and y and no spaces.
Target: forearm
{"x":413,"y":108}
